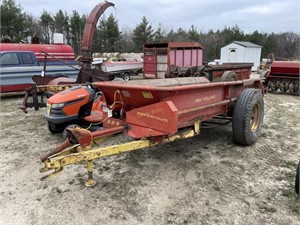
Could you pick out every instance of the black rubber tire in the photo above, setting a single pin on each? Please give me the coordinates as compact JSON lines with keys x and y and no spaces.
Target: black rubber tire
{"x":228,"y":76}
{"x":54,"y":128}
{"x":297,"y":179}
{"x":111,"y":77}
{"x":126,"y":76}
{"x":246,"y":131}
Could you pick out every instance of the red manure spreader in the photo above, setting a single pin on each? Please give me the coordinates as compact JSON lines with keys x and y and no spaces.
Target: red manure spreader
{"x":161,"y":110}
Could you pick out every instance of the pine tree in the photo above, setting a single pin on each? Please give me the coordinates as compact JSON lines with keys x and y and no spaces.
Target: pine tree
{"x":46,"y":24}
{"x":15,"y":24}
{"x":76,"y":31}
{"x":142,"y":34}
{"x":108,"y":36}
{"x":113,"y":34}
{"x":193,"y":34}
{"x":61,"y":24}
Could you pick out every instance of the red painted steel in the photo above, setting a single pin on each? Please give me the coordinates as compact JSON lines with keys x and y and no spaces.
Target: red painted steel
{"x":138,"y":93}
{"x":155,"y":119}
{"x":242,"y":70}
{"x":58,"y":149}
{"x":60,"y":51}
{"x":89,"y":30}
{"x":159,"y":107}
{"x":14,"y":88}
{"x":82,"y":137}
{"x":285,"y":68}
{"x":182,"y":54}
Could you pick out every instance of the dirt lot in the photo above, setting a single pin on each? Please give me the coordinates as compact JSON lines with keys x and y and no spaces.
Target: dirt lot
{"x":203,"y":180}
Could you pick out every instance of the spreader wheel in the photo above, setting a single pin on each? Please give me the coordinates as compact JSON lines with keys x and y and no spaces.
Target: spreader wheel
{"x":297,"y":179}
{"x":248,"y":117}
{"x":228,"y":76}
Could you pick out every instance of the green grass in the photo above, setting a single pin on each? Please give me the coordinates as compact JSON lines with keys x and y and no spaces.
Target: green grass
{"x":289,"y":164}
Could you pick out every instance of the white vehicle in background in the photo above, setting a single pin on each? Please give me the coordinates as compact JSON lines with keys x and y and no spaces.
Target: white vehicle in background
{"x":215,"y":62}
{"x":121,"y":65}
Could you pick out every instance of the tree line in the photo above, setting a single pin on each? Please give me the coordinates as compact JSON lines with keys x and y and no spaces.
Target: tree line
{"x":17,"y":26}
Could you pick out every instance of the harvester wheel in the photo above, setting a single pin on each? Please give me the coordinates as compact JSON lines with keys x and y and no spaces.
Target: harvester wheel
{"x":54,"y":129}
{"x":297,"y":179}
{"x":228,"y":76}
{"x":248,"y":117}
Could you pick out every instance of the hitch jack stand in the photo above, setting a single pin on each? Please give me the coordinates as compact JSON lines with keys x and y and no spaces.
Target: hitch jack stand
{"x":90,"y":181}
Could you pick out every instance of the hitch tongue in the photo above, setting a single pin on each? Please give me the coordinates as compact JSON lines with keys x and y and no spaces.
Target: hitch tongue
{"x":58,"y":149}
{"x":56,"y":171}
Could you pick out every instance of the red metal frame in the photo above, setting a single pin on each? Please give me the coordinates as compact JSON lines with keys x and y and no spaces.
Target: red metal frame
{"x":169,"y":47}
{"x":89,"y":30}
{"x":59,"y":51}
{"x":285,"y":67}
{"x":160,"y":107}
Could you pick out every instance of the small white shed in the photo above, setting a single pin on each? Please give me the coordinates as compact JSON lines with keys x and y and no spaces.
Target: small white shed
{"x":241,"y":51}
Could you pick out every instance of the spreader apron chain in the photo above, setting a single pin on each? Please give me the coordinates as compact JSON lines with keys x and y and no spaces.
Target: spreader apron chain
{"x":77,"y":153}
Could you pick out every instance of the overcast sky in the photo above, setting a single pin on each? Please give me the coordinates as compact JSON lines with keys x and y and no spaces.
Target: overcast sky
{"x":250,"y":15}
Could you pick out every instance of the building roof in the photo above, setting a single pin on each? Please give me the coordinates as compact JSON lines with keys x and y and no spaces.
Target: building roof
{"x":247,"y":44}
{"x":175,"y":45}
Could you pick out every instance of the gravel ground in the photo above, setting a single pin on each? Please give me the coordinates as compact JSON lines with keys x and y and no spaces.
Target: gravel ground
{"x":206,"y":179}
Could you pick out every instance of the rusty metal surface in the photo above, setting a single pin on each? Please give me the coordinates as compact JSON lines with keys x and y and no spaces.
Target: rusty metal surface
{"x":172,"y":59}
{"x":72,"y":155}
{"x":181,"y":104}
{"x":153,"y":120}
{"x":89,"y":30}
{"x":175,"y":45}
{"x":84,"y":137}
{"x":58,"y":149}
{"x":39,"y":80}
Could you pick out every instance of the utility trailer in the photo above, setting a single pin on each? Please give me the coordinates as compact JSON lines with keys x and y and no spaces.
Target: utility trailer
{"x":162,"y":58}
{"x":185,"y":59}
{"x":162,"y":110}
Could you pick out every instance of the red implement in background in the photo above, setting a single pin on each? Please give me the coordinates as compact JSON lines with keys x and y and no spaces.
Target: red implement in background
{"x":59,"y":51}
{"x":284,"y":77}
{"x":286,"y":68}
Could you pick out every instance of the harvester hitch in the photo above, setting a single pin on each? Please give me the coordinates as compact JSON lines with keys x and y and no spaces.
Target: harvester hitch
{"x":83,"y":152}
{"x":56,"y":171}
